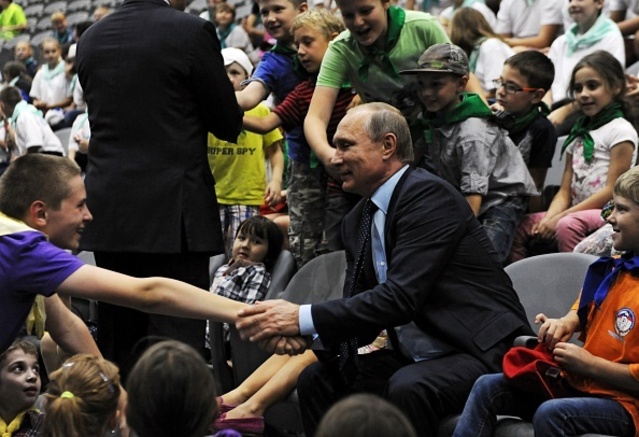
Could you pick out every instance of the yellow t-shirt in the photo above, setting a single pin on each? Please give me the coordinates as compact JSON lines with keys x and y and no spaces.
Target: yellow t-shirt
{"x":239,"y":169}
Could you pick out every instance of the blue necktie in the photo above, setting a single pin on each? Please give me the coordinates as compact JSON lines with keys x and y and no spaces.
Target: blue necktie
{"x":601,"y":274}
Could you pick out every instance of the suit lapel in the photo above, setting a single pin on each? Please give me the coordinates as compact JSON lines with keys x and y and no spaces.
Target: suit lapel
{"x":389,"y":229}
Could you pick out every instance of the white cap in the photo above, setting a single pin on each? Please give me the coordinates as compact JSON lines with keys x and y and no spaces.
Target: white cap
{"x":231,"y":54}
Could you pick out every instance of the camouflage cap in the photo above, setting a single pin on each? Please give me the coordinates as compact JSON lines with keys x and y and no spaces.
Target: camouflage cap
{"x":441,"y":58}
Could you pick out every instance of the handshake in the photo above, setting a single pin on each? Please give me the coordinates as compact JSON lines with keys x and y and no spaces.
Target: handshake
{"x":274,"y":325}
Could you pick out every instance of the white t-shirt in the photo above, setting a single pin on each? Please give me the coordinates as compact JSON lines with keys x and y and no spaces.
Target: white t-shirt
{"x":564,"y":64}
{"x":31,"y":131}
{"x":50,"y":91}
{"x":488,"y":13}
{"x":517,"y":18}
{"x":492,"y":54}
{"x":588,"y":178}
{"x":630,"y":6}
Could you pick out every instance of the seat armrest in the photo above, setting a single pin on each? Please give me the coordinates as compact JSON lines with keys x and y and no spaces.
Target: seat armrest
{"x":526,"y":340}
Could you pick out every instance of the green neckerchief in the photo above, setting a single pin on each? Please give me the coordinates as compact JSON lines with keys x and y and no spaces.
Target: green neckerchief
{"x":474,"y":55}
{"x":602,"y":26}
{"x":289,"y":51}
{"x":20,"y":108}
{"x":523,"y":121}
{"x":471,"y":105}
{"x":222,"y":35}
{"x":50,"y":74}
{"x":396,"y":19}
{"x":584,"y":125}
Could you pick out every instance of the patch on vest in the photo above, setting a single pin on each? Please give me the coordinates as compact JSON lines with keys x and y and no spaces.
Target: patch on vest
{"x":624,"y":321}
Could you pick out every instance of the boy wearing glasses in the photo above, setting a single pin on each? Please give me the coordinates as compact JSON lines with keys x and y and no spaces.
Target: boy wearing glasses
{"x":468,"y":149}
{"x":525,"y":79}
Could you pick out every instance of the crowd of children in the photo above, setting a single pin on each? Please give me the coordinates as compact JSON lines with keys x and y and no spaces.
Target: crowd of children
{"x":480,"y":118}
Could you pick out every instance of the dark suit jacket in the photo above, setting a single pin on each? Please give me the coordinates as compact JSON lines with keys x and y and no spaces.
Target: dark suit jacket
{"x":155,"y":84}
{"x":442,"y":274}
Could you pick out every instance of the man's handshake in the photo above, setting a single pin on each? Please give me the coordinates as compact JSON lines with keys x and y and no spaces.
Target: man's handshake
{"x":274,"y":325}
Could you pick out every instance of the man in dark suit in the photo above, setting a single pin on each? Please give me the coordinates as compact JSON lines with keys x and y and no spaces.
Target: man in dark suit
{"x":155,"y":84}
{"x":429,"y":276}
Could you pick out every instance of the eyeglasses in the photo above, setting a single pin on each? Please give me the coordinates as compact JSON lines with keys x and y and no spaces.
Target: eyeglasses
{"x":510,"y":88}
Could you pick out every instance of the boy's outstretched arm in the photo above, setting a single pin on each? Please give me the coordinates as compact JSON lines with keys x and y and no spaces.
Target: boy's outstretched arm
{"x":254,"y":93}
{"x":151,"y":295}
{"x":316,"y":123}
{"x":262,"y":125}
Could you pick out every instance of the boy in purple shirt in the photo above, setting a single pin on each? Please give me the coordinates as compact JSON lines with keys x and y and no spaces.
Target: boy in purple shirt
{"x":43,"y":211}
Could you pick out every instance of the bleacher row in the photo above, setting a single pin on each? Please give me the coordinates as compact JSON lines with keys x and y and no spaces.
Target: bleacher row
{"x":38,"y":13}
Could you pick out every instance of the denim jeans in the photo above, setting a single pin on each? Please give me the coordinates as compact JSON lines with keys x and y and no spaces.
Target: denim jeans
{"x":492,"y":395}
{"x":500,"y":222}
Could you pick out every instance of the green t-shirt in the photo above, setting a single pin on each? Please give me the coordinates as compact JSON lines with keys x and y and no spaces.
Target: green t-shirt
{"x":13,"y":15}
{"x":343,"y":58}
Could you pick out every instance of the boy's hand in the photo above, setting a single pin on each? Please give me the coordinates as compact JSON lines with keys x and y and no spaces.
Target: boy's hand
{"x":273,"y":194}
{"x":574,"y":359}
{"x":553,"y":331}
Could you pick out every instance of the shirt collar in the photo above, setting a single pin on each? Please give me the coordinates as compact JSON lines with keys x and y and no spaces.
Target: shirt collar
{"x":382,"y":196}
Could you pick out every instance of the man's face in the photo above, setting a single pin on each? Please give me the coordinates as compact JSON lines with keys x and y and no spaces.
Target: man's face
{"x":59,"y":25}
{"x":19,"y":381}
{"x":359,"y":161}
{"x":65,"y":225}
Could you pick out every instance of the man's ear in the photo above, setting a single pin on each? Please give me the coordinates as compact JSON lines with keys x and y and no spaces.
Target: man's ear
{"x":389,"y":143}
{"x":302,"y":7}
{"x":37,"y":215}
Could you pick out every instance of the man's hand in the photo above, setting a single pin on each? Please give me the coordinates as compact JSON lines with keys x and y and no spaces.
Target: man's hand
{"x":268,"y":319}
{"x":285,"y":345}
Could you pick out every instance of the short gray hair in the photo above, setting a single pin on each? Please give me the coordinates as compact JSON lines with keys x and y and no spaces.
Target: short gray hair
{"x":385,"y":119}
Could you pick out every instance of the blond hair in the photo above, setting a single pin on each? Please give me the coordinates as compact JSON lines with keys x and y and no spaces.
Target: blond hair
{"x":82,"y":397}
{"x":320,"y":20}
{"x":627,"y":185}
{"x":58,"y":16}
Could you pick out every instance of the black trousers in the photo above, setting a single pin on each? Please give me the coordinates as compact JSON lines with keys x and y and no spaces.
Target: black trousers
{"x":426,"y":391}
{"x":119,"y":328}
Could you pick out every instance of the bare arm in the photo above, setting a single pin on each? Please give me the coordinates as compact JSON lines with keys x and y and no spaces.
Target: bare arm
{"x":67,"y":330}
{"x":262,"y":125}
{"x":316,"y":123}
{"x":627,"y":27}
{"x":275,"y":157}
{"x":579,"y":361}
{"x":547,"y":34}
{"x":474,"y":86}
{"x":251,"y":95}
{"x":535,"y":203}
{"x":474,"y":200}
{"x":152,"y":295}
